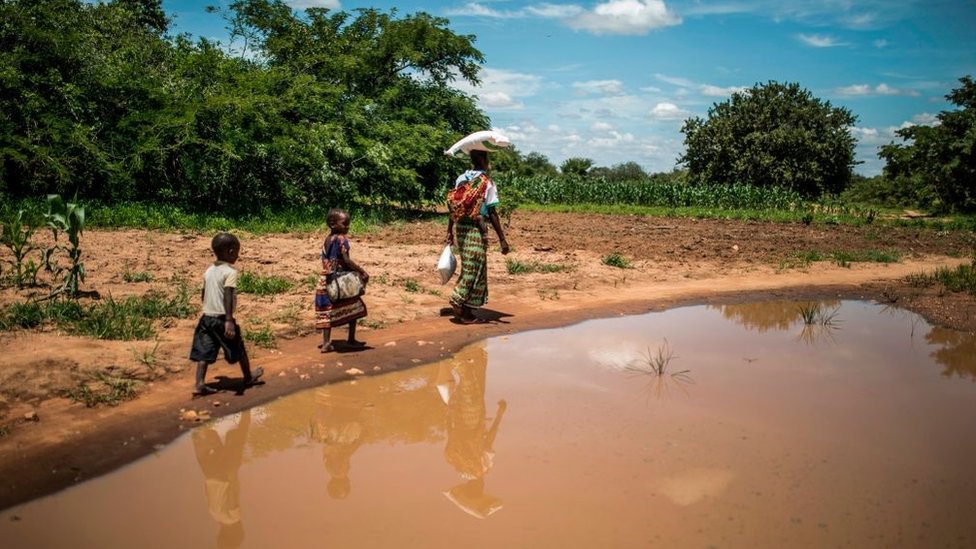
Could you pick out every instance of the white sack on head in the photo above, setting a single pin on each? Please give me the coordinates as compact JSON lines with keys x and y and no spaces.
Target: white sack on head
{"x":486,"y":140}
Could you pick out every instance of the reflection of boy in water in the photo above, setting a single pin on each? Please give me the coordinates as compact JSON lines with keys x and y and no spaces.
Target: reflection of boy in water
{"x":469,"y":445}
{"x":220,"y":461}
{"x":341,"y":432}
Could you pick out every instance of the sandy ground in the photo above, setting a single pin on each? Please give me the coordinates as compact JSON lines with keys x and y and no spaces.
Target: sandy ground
{"x":48,"y":442}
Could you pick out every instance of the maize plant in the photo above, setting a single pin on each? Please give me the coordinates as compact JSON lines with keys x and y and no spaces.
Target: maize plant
{"x":67,"y":218}
{"x":16,"y":235}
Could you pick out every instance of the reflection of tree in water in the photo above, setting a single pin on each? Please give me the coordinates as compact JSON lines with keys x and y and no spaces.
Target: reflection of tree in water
{"x":957,"y":354}
{"x":470,"y":440}
{"x":763,"y":316}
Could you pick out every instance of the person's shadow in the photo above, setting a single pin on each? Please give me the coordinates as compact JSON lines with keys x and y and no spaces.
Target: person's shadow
{"x":220,"y":461}
{"x":232,"y":384}
{"x":484,"y":315}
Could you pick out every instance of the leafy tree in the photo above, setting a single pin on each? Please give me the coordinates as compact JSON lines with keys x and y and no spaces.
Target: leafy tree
{"x":940,"y":158}
{"x":627,"y":171}
{"x":576,"y":167}
{"x":772,"y":134}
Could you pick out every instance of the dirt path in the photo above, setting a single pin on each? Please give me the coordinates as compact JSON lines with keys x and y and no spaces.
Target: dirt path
{"x":50,"y":442}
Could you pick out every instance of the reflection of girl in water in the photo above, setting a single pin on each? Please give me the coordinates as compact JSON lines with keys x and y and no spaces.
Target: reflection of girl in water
{"x":220,"y":462}
{"x":469,"y":445}
{"x":341,"y":431}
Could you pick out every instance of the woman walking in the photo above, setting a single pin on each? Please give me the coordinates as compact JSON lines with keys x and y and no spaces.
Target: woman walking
{"x":473,"y":199}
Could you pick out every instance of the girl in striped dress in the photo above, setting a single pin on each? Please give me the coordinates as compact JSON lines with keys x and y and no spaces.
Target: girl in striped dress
{"x":335,"y":256}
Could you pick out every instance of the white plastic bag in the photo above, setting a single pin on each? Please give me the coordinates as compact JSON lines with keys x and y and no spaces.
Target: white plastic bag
{"x":446,"y":265}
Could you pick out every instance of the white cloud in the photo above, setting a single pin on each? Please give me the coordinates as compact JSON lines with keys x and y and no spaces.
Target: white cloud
{"x":675,"y":80}
{"x":819,"y":41}
{"x":668,"y":111}
{"x":474,"y":9}
{"x":302,"y":4}
{"x":555,"y":11}
{"x":612,"y":140}
{"x":880,"y":43}
{"x":545,"y":11}
{"x":631,"y":17}
{"x":601,"y":127}
{"x":862,"y":14}
{"x":866,"y":89}
{"x":925,"y":119}
{"x":717,"y":91}
{"x":500,"y":89}
{"x":604,"y":87}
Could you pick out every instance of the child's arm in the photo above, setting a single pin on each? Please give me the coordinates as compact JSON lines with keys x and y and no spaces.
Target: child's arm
{"x":353,"y":265}
{"x":230,"y":303}
{"x":497,"y":225}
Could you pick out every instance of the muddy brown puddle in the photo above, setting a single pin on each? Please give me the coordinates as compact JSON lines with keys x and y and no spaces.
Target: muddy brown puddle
{"x":707,"y":426}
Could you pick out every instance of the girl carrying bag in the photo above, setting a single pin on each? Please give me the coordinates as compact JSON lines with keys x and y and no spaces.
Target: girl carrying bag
{"x":344,"y":285}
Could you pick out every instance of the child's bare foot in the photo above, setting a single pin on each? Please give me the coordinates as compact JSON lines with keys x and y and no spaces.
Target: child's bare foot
{"x":255,"y":376}
{"x":203,"y":390}
{"x":326,"y":347}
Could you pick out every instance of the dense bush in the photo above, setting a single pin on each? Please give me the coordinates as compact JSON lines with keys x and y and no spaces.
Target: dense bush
{"x":99,"y":102}
{"x":940,"y":159}
{"x":772,"y":134}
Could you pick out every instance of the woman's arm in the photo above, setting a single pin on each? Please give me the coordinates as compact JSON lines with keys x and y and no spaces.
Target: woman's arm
{"x":450,"y":230}
{"x":497,"y":225}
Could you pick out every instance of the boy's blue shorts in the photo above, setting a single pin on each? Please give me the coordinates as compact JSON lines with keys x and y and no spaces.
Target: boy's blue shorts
{"x":209,"y":338}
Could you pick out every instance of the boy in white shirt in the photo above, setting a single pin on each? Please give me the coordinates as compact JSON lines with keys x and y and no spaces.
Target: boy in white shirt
{"x":217,"y":328}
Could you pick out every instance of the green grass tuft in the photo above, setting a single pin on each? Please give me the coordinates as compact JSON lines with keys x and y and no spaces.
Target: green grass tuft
{"x":524,"y":267}
{"x":250,"y":283}
{"x":616,"y":260}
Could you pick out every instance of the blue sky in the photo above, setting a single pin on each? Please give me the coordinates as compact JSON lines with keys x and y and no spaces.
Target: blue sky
{"x":614,"y":80}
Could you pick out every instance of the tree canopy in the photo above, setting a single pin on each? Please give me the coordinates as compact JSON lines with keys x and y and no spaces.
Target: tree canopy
{"x":940,"y":158}
{"x":772,"y":134}
{"x":320,"y":106}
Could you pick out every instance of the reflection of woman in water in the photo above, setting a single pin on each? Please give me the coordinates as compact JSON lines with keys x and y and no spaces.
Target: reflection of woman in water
{"x":220,"y":461}
{"x":469,"y":444}
{"x":341,"y":431}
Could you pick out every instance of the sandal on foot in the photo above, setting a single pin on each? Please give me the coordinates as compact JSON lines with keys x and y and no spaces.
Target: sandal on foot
{"x":327,"y":348}
{"x":255,"y":376}
{"x":204,"y":391}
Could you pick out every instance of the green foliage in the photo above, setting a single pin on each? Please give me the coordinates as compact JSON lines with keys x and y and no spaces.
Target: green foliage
{"x":940,"y":159}
{"x":576,"y":167}
{"x":16,"y":235}
{"x":250,"y":283}
{"x":103,"y":389}
{"x":262,"y":337}
{"x":661,"y":190}
{"x":319,"y":107}
{"x":127,"y":319}
{"x":960,"y":279}
{"x":772,"y":135}
{"x":616,"y":260}
{"x":136,"y":276}
{"x":524,"y":267}
{"x":65,"y":218}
